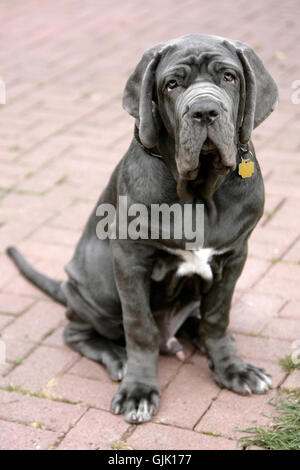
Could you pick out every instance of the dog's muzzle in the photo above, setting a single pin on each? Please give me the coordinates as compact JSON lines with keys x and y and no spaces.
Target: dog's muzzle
{"x":205,"y":135}
{"x":205,"y":111}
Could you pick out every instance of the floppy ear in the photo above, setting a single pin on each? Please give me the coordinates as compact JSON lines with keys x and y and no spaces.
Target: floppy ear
{"x":261,"y":92}
{"x":138,"y":97}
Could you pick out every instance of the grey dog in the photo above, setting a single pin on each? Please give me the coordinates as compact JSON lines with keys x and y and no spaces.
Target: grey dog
{"x":195,"y":100}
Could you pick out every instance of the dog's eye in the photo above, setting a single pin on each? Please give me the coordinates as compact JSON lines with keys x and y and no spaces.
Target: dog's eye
{"x":171,"y":85}
{"x":229,"y":77}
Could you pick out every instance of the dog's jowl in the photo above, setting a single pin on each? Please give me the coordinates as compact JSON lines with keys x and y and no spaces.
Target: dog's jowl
{"x":195,"y":101}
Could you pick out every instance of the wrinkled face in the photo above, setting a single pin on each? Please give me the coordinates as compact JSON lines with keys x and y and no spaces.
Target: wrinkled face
{"x":198,"y":99}
{"x":209,"y":93}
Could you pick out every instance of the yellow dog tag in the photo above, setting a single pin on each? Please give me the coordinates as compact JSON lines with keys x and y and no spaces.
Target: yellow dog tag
{"x":246,"y":168}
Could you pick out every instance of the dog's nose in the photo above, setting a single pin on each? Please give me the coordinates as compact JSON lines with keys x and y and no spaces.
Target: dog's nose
{"x":205,"y":111}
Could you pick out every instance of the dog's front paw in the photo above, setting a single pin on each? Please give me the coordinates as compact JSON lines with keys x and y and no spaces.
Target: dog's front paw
{"x":138,"y":402}
{"x":243,"y":378}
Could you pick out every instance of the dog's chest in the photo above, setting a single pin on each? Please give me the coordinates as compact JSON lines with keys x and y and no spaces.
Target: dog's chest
{"x":197,"y":262}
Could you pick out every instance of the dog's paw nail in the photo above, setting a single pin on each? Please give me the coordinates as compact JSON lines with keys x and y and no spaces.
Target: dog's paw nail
{"x":120,"y":375}
{"x":117,"y":409}
{"x":268,"y":380}
{"x":263,"y":385}
{"x":247,"y":390}
{"x":180,"y":355}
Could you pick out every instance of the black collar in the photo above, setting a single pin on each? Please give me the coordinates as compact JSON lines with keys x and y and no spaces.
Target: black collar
{"x":149,"y":151}
{"x":242,"y":148}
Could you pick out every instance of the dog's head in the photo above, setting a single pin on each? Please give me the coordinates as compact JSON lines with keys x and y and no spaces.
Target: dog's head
{"x":209,"y":93}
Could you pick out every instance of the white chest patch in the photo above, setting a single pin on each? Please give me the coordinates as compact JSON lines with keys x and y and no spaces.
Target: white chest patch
{"x":197,"y":262}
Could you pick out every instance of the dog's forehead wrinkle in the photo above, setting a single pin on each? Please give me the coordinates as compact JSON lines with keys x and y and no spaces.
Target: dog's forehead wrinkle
{"x":199,"y":59}
{"x":198,"y":62}
{"x":176,"y":69}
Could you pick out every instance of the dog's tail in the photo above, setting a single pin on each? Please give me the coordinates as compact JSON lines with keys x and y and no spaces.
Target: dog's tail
{"x":45,"y":283}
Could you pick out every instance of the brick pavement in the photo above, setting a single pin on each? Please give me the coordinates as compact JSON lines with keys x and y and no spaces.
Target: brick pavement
{"x":62,"y":132}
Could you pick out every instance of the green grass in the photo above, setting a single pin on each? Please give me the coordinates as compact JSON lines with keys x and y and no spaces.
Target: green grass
{"x":120,"y":445}
{"x":288,"y":365}
{"x":3,"y":192}
{"x":269,"y":214}
{"x":86,"y":95}
{"x":30,"y":174}
{"x":37,"y":425}
{"x":39,"y":394}
{"x":275,"y":260}
{"x":26,"y":192}
{"x":18,"y":362}
{"x":14,"y":148}
{"x":49,"y":333}
{"x":284,"y":433}
{"x":210,"y":433}
{"x":62,"y":179}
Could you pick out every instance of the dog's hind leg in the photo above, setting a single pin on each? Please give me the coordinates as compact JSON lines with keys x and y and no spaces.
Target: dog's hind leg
{"x":82,"y":338}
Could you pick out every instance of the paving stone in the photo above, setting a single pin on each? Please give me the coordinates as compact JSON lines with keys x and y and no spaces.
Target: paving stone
{"x":293,"y":255}
{"x":253,"y":311}
{"x":14,"y":304}
{"x":253,"y":271}
{"x":96,"y":430}
{"x":189,"y":395}
{"x":39,"y":412}
{"x":159,"y":437}
{"x":95,"y":393}
{"x":37,"y":322}
{"x":19,"y":284}
{"x":4,"y":320}
{"x":48,"y":258}
{"x":288,"y":214}
{"x":168,"y":367}
{"x":282,"y":279}
{"x":16,"y":349}
{"x":43,"y":365}
{"x":51,"y":235}
{"x":231,"y":412}
{"x":85,"y":368}
{"x":268,"y":243}
{"x":291,"y":310}
{"x":284,"y":188}
{"x":282,"y":328}
{"x":55,"y":337}
{"x":293,"y":380}
{"x":74,"y":217}
{"x":8,"y":270}
{"x":62,"y":132}
{"x":255,"y":347}
{"x":16,"y":436}
{"x":272,"y":202}
{"x":4,"y":369}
